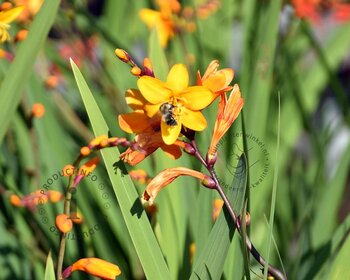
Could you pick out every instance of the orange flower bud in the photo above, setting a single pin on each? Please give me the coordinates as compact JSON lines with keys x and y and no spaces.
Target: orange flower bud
{"x":122,"y":55}
{"x":95,"y":142}
{"x":6,"y":6}
{"x":68,"y":170}
{"x":38,"y":110}
{"x":85,"y":151}
{"x":64,"y":223}
{"x":136,"y":71}
{"x":94,"y":266}
{"x":88,"y":167}
{"x":15,"y":200}
{"x":52,"y":81}
{"x":21,"y":35}
{"x":104,"y":143}
{"x":54,"y":196}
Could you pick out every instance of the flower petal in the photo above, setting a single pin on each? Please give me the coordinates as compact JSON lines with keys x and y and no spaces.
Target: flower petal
{"x":193,"y":120}
{"x":220,"y":80}
{"x":178,"y":78}
{"x":170,"y":133}
{"x":149,"y":17}
{"x":151,"y":110}
{"x":133,"y":122}
{"x":197,"y":97}
{"x":134,"y":99}
{"x":172,"y":151}
{"x":10,"y":15}
{"x":154,"y":90}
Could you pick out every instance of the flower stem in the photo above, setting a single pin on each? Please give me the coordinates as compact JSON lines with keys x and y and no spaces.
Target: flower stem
{"x":66,"y":210}
{"x":272,"y":270}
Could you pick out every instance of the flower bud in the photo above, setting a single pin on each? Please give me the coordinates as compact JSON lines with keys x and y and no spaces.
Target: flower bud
{"x":63,"y":223}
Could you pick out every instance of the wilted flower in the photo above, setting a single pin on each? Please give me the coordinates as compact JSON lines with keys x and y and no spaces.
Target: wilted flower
{"x":165,"y":177}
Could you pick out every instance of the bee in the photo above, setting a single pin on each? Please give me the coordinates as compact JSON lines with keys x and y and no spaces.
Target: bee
{"x":168,"y":115}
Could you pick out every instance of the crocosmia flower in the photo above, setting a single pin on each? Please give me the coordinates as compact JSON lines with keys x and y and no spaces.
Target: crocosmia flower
{"x":179,"y":104}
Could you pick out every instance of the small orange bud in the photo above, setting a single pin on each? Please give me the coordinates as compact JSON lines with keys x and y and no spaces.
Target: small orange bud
{"x":15,"y":200}
{"x":6,"y":6}
{"x":21,"y":35}
{"x":104,"y":143}
{"x":95,"y":142}
{"x":136,"y":71}
{"x":38,"y":110}
{"x":122,"y":55}
{"x":64,"y":223}
{"x":52,"y":82}
{"x":88,"y":167}
{"x":68,"y":170}
{"x":54,"y":196}
{"x":85,"y":151}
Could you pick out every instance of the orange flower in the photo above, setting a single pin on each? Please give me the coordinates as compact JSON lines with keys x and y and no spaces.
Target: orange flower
{"x":179,"y":104}
{"x":94,"y":266}
{"x":165,"y":177}
{"x":216,"y":80}
{"x":314,"y":9}
{"x":64,"y":223}
{"x":31,"y":8}
{"x":227,"y":112}
{"x":148,"y":135}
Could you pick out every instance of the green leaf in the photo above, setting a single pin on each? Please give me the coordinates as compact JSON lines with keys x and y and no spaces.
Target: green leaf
{"x":134,"y":215}
{"x":49,"y":270}
{"x":157,"y":56}
{"x":20,"y":69}
{"x":210,"y":263}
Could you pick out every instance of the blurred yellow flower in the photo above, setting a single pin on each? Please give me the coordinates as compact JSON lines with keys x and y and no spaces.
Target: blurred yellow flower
{"x":179,"y":104}
{"x":7,"y":17}
{"x":162,"y":20}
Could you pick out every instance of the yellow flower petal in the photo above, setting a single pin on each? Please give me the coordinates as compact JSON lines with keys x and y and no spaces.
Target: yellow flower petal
{"x":193,"y":120}
{"x":197,"y":97}
{"x":149,"y":17}
{"x":170,"y":133}
{"x":134,"y":99}
{"x":151,"y":109}
{"x":10,"y":15}
{"x":178,"y":78}
{"x":154,"y":90}
{"x":133,"y":122}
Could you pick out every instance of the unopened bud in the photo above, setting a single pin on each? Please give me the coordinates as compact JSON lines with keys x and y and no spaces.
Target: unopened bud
{"x":188,"y":148}
{"x":208,"y":182}
{"x":136,"y":71}
{"x":148,"y":67}
{"x":122,"y":55}
{"x":85,"y":151}
{"x":247,"y":219}
{"x":211,"y":158}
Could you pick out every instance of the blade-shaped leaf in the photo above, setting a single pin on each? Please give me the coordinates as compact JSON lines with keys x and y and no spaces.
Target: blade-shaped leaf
{"x":134,"y":215}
